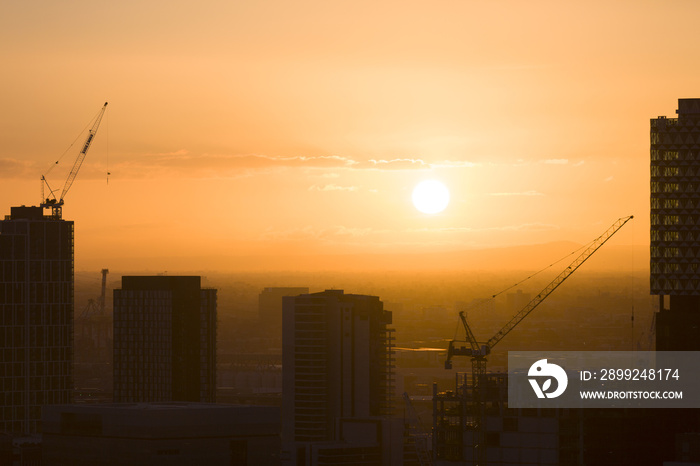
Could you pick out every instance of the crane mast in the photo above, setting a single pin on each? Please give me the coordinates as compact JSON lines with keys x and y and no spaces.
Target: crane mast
{"x":57,"y":204}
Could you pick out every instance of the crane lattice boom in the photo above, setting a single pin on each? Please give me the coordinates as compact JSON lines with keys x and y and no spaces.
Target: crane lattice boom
{"x":554,"y":284}
{"x":481,"y":351}
{"x":52,"y":202}
{"x":79,"y":161}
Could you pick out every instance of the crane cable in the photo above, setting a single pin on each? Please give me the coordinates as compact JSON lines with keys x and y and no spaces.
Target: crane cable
{"x":72,"y":143}
{"x":481,"y":303}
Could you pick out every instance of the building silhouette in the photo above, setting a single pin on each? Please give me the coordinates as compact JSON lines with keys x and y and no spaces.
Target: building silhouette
{"x":675,"y":227}
{"x":164,"y":340}
{"x":337,"y":380}
{"x":161,"y":434}
{"x":36,"y":316}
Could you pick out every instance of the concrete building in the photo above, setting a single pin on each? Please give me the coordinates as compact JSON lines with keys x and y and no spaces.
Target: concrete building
{"x":675,"y":226}
{"x":337,"y":381}
{"x":36,"y":316}
{"x":172,"y":434}
{"x":164,"y":340}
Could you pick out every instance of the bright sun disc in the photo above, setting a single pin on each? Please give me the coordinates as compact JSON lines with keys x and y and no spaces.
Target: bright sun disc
{"x":430,"y":196}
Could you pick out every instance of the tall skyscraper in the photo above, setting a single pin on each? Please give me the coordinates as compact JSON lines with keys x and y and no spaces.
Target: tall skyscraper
{"x":164,"y":340}
{"x":337,"y":368}
{"x":675,"y":226}
{"x":36,"y":316}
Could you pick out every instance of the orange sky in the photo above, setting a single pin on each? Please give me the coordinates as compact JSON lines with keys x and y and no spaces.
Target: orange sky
{"x":253,"y":128}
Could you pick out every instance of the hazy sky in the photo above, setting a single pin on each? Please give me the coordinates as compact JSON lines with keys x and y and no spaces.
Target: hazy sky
{"x":241,"y":128}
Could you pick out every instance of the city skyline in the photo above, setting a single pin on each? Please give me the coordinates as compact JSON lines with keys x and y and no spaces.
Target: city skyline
{"x":250,"y":131}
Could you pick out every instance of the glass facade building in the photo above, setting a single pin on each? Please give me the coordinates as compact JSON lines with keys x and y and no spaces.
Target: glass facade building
{"x":164,"y":340}
{"x":36,"y":317}
{"x":675,"y":227}
{"x":675,"y":202}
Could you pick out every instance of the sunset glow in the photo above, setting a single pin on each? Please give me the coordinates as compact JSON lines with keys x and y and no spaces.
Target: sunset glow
{"x":430,"y":196}
{"x":237,"y":131}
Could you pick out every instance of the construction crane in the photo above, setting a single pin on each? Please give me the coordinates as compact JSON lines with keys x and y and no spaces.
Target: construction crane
{"x":417,"y":433}
{"x":57,"y":204}
{"x":96,"y":309}
{"x":479,"y":352}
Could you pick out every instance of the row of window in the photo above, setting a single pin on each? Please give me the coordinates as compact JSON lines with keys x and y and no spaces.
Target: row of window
{"x":674,"y":285}
{"x":676,"y":138}
{"x":660,"y":187}
{"x":670,"y":220}
{"x":17,"y":369}
{"x":660,"y":203}
{"x":41,"y":293}
{"x":674,"y":267}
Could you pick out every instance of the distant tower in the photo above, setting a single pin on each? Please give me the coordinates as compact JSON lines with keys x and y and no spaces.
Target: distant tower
{"x":337,"y":366}
{"x":164,"y":340}
{"x":36,"y":317}
{"x":675,"y":226}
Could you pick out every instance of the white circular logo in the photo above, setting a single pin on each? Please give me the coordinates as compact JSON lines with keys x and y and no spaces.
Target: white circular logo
{"x":543,"y":370}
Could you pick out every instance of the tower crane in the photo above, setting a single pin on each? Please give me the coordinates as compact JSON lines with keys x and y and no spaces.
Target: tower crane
{"x":417,"y":433}
{"x":57,"y":204}
{"x":479,"y":352}
{"x":98,"y":308}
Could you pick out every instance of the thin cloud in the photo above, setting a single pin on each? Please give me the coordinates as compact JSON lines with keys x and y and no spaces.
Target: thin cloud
{"x":16,"y":168}
{"x":524,"y":193}
{"x":455,"y":164}
{"x":333,"y":187}
{"x":177,"y":153}
{"x":399,"y":164}
{"x":520,"y":227}
{"x":309,"y":232}
{"x":555,"y":161}
{"x":182,"y":162}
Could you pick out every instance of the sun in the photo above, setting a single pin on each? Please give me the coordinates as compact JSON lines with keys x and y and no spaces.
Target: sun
{"x":430,"y":196}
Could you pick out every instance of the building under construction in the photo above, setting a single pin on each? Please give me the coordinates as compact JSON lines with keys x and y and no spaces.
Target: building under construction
{"x":467,"y":432}
{"x":465,"y":429}
{"x":473,"y":425}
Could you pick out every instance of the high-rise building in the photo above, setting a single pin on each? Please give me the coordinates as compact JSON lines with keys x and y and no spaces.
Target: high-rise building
{"x":159,"y":434}
{"x":675,"y":226}
{"x":164,"y":340}
{"x":337,"y":377}
{"x":36,"y":316}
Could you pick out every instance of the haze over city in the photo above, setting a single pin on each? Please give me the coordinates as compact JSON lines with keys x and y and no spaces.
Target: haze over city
{"x":302,"y":228}
{"x":240,"y":133}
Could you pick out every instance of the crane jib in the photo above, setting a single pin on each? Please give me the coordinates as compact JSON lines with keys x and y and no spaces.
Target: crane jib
{"x":87,"y":143}
{"x":56,"y":204}
{"x":477,"y":351}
